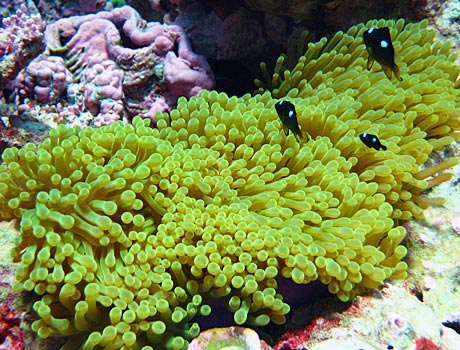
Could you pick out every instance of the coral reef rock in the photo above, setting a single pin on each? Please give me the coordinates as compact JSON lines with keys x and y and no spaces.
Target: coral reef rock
{"x":118,"y":66}
{"x":231,"y":338}
{"x":21,"y":39}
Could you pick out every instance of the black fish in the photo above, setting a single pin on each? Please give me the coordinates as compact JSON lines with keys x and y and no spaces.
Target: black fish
{"x":380,"y":48}
{"x":372,"y":141}
{"x":288,"y":115}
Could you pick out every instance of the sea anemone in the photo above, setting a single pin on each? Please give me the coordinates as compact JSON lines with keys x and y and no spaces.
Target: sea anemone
{"x":129,"y":232}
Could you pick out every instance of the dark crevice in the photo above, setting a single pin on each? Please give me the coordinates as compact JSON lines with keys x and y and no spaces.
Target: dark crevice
{"x":176,"y":49}
{"x":232,"y":77}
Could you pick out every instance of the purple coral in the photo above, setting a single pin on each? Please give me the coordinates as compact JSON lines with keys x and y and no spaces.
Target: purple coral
{"x":45,"y":78}
{"x":103,"y":91}
{"x":21,"y":39}
{"x":122,"y":65}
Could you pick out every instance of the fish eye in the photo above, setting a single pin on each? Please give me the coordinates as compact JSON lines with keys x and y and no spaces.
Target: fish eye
{"x":371,"y":30}
{"x":365,"y":134}
{"x":384,"y":43}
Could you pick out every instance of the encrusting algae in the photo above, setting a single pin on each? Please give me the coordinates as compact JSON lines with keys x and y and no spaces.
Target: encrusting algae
{"x":129,"y":232}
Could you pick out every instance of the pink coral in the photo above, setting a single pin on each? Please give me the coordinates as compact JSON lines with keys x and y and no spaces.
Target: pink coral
{"x":145,"y":66}
{"x":103,"y":91}
{"x":45,"y":78}
{"x":21,"y":39}
{"x":184,"y":77}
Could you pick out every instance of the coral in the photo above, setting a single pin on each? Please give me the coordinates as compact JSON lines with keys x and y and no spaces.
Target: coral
{"x":403,"y":327}
{"x":103,"y":93}
{"x":45,"y":77}
{"x":434,"y":247}
{"x":120,"y":66}
{"x":129,"y":232}
{"x":9,"y":7}
{"x":21,"y":39}
{"x":11,"y":335}
{"x":53,"y":10}
{"x":445,"y":18}
{"x":236,"y":338}
{"x":11,"y":135}
{"x":100,"y":34}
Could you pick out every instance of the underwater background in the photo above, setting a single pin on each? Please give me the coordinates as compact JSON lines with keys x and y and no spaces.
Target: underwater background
{"x":284,"y":171}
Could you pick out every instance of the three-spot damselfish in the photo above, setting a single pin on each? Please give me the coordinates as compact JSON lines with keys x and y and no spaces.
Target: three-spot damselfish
{"x":380,"y":48}
{"x":288,"y":115}
{"x":372,"y":141}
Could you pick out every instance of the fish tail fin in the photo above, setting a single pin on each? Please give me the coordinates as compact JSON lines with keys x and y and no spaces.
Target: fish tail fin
{"x":388,"y":72}
{"x":286,"y":130}
{"x":370,"y":61}
{"x":384,"y":147}
{"x":397,"y":73}
{"x":303,"y":137}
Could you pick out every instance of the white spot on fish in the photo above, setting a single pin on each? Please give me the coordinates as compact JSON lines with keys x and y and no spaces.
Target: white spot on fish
{"x":384,"y":44}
